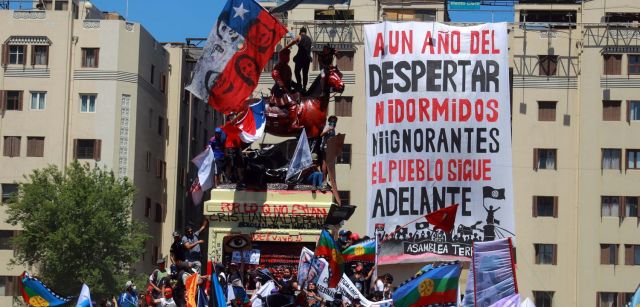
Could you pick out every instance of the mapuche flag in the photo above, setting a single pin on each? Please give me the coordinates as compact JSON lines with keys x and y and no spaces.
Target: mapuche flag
{"x":238,"y":47}
{"x":328,"y":249}
{"x":433,"y":286}
{"x":36,"y":294}
{"x":365,"y":251}
{"x":443,"y":218}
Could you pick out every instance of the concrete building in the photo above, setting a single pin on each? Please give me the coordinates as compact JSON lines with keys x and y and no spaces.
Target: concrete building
{"x":575,"y":68}
{"x":77,"y":83}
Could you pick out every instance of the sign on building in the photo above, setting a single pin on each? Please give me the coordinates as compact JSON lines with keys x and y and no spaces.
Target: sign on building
{"x":438,"y":133}
{"x":464,"y":5}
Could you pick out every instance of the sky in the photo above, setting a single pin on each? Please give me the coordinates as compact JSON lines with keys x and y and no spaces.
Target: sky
{"x":175,"y":20}
{"x":168,"y":20}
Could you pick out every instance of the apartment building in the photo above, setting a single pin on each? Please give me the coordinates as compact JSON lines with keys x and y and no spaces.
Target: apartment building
{"x":78,"y":83}
{"x":575,"y":112}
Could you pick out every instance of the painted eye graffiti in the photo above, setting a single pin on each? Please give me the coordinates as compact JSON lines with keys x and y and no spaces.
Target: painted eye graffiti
{"x":237,"y":242}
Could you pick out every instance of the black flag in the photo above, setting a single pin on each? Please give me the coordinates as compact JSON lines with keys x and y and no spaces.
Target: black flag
{"x":489,"y":192}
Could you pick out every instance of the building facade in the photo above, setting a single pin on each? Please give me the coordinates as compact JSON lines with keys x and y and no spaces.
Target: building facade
{"x":77,"y":83}
{"x":575,"y":111}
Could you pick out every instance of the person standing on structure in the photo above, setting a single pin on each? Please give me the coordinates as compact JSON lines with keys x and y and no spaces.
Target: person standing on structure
{"x":302,"y":59}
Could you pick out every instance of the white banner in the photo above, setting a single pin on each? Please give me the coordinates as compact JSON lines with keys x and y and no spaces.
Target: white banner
{"x":311,"y":269}
{"x":438,"y":130}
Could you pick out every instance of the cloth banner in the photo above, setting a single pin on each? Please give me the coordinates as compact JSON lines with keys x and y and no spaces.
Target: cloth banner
{"x":509,"y":301}
{"x":301,"y":159}
{"x":438,"y":125}
{"x":309,"y":263}
{"x":238,"y":47}
{"x":260,"y":294}
{"x":84,"y":300}
{"x":36,"y":294}
{"x":191,"y":286}
{"x":204,"y":181}
{"x":432,"y":285}
{"x":491,"y":274}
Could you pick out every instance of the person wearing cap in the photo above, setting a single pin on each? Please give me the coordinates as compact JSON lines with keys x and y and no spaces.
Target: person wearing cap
{"x":176,"y":252}
{"x":166,"y":300}
{"x":217,"y":145}
{"x":128,"y":297}
{"x":302,"y":59}
{"x":192,"y":245}
{"x":158,"y":278}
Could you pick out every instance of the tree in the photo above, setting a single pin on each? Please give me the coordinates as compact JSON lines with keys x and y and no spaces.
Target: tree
{"x":77,"y":227}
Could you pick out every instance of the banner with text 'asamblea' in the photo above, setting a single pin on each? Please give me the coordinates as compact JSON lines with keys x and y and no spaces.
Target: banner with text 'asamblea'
{"x":438,"y":134}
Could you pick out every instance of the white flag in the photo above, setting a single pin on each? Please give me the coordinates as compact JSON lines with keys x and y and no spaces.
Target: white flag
{"x":205,"y":165}
{"x":264,"y":291}
{"x":84,"y":300}
{"x":301,"y":159}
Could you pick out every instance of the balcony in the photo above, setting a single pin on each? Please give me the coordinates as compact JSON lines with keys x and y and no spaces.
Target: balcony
{"x":347,"y":32}
{"x":613,"y":36}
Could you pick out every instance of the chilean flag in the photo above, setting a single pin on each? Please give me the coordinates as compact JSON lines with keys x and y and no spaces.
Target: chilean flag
{"x":249,"y":125}
{"x":237,"y":49}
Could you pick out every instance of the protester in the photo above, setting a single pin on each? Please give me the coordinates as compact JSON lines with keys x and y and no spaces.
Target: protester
{"x":192,"y":246}
{"x":158,"y":278}
{"x":358,"y":280}
{"x":313,"y":298}
{"x":302,"y":59}
{"x":313,"y":175}
{"x":167,"y":299}
{"x":217,"y":145}
{"x":128,"y":298}
{"x":284,"y":85}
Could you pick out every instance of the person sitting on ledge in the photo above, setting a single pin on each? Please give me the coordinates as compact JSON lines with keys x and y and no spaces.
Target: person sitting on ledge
{"x":314,"y":174}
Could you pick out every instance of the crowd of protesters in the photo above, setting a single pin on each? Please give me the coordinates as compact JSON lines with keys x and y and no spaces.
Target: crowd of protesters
{"x":166,"y":286}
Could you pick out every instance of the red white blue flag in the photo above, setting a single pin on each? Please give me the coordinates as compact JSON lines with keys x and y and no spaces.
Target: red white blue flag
{"x":249,"y":125}
{"x":237,"y":49}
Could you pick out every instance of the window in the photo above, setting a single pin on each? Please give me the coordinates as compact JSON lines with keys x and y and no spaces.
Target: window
{"x":17,"y":54}
{"x":5,"y":239}
{"x":545,"y":253}
{"x":11,"y":146}
{"x":9,"y":285}
{"x":90,"y":57}
{"x":13,"y":101}
{"x":547,"y":65}
{"x":543,"y":298}
{"x":8,"y":190}
{"x":611,"y":110}
{"x":633,"y":110}
{"x":38,"y":100}
{"x":610,"y":206}
{"x":631,"y":254}
{"x":147,"y":207}
{"x":547,"y":111}
{"x":612,"y":64}
{"x":607,"y":299}
{"x":62,"y":5}
{"x":345,"y":157}
{"x":163,"y":83}
{"x":544,"y":159}
{"x":344,"y":60}
{"x":344,"y":106}
{"x":153,"y":73}
{"x":158,"y":213}
{"x":633,"y":67}
{"x":545,"y":206}
{"x":609,"y":254}
{"x":409,"y":15}
{"x":345,"y":197}
{"x":160,"y":125}
{"x":631,"y":207}
{"x":160,"y":169}
{"x":611,"y":158}
{"x":633,"y":158}
{"x":625,"y":298}
{"x":35,"y":146}
{"x":88,"y":103}
{"x":39,"y":55}
{"x":148,"y":161}
{"x":87,"y":149}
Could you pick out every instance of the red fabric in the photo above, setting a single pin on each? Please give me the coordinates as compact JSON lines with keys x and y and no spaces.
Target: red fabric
{"x":233,"y":135}
{"x":240,"y":77}
{"x":437,"y":298}
{"x":443,"y":218}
